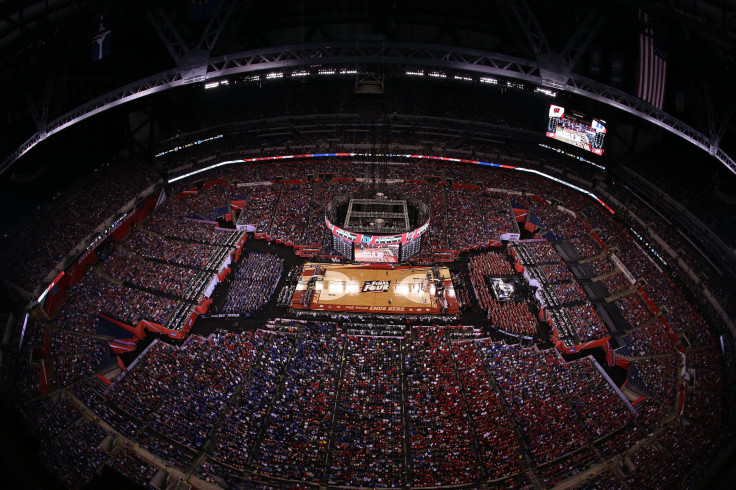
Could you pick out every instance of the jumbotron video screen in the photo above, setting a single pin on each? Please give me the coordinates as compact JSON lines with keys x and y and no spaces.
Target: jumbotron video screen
{"x":380,"y":253}
{"x":576,"y":129}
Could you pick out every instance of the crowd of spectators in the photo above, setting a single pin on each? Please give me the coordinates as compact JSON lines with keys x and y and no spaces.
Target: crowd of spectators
{"x":216,"y":474}
{"x":568,"y":292}
{"x":209,"y":202}
{"x":509,"y":316}
{"x":690,"y":442}
{"x":75,"y":315}
{"x":553,"y":273}
{"x":91,"y":392}
{"x":303,"y":401}
{"x":654,"y":467}
{"x":647,"y":340}
{"x":76,"y":356}
{"x":636,"y":261}
{"x":605,"y":479}
{"x":541,"y":252}
{"x":208,"y":372}
{"x":236,"y":437}
{"x":254,"y":282}
{"x":588,"y":325}
{"x":295,"y":438}
{"x":322,"y":194}
{"x":562,"y":225}
{"x":599,"y":405}
{"x":553,"y":473}
{"x":52,"y":416}
{"x":633,"y":309}
{"x":656,"y":376}
{"x":660,"y":289}
{"x":173,"y":454}
{"x":74,"y":454}
{"x":171,"y":251}
{"x":259,"y":208}
{"x":432,"y":196}
{"x":291,"y":213}
{"x":703,"y":407}
{"x":512,"y":317}
{"x":652,"y":412}
{"x":141,"y":390}
{"x":440,"y":432}
{"x":129,"y":464}
{"x":677,"y":448}
{"x":187,"y":230}
{"x":368,"y":449}
{"x":137,"y":271}
{"x":122,"y":303}
{"x":498,"y":442}
{"x":60,"y":225}
{"x":616,"y":283}
{"x":706,"y":364}
{"x":585,"y":246}
{"x":621,"y":441}
{"x":527,"y":379}
{"x":475,"y":218}
{"x":168,"y":220}
{"x":462,"y":294}
{"x":601,"y":266}
{"x":609,"y":232}
{"x":488,"y":264}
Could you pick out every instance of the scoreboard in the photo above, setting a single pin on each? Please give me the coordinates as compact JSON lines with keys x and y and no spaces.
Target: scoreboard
{"x":576,"y":129}
{"x":377,"y":248}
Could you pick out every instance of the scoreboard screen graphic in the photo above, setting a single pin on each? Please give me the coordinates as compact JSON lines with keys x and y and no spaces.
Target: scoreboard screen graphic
{"x":576,"y":129}
{"x":377,"y":253}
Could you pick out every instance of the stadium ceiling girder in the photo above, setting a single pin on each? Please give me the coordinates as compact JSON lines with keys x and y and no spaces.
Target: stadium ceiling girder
{"x":528,"y":23}
{"x":168,"y":33}
{"x":380,"y":53}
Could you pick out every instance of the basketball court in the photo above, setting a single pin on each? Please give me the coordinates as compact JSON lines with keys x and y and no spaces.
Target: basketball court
{"x":375,"y":289}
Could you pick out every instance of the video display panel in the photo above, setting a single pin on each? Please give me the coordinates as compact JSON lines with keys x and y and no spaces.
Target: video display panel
{"x":576,"y":129}
{"x":380,"y":253}
{"x":343,"y":247}
{"x":376,"y":248}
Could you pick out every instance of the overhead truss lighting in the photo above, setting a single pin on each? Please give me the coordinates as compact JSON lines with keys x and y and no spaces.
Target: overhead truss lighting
{"x":545,"y":91}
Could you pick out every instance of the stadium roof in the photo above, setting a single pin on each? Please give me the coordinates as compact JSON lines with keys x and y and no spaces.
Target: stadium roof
{"x":49,"y":81}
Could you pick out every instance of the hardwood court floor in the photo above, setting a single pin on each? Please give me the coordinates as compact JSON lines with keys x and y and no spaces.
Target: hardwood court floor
{"x":374,"y":288}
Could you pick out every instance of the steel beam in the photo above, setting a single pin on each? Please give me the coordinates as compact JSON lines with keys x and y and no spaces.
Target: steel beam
{"x":166,"y":30}
{"x":581,"y":39}
{"x":634,"y":105}
{"x":349,"y":54}
{"x":530,"y":26}
{"x":217,"y":23}
{"x":718,"y":124}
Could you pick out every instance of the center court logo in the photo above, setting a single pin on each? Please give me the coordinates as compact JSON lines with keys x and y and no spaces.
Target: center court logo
{"x":376,"y":286}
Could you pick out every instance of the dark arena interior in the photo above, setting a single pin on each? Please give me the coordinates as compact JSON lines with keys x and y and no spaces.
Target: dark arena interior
{"x":387,"y":244}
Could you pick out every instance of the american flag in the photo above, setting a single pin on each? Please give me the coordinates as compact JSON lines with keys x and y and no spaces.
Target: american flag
{"x":652,"y":63}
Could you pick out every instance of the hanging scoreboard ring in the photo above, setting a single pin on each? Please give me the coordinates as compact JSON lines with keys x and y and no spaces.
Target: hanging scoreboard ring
{"x":377,"y":227}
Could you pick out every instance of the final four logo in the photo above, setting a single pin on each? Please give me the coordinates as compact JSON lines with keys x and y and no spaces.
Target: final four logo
{"x":376,"y":286}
